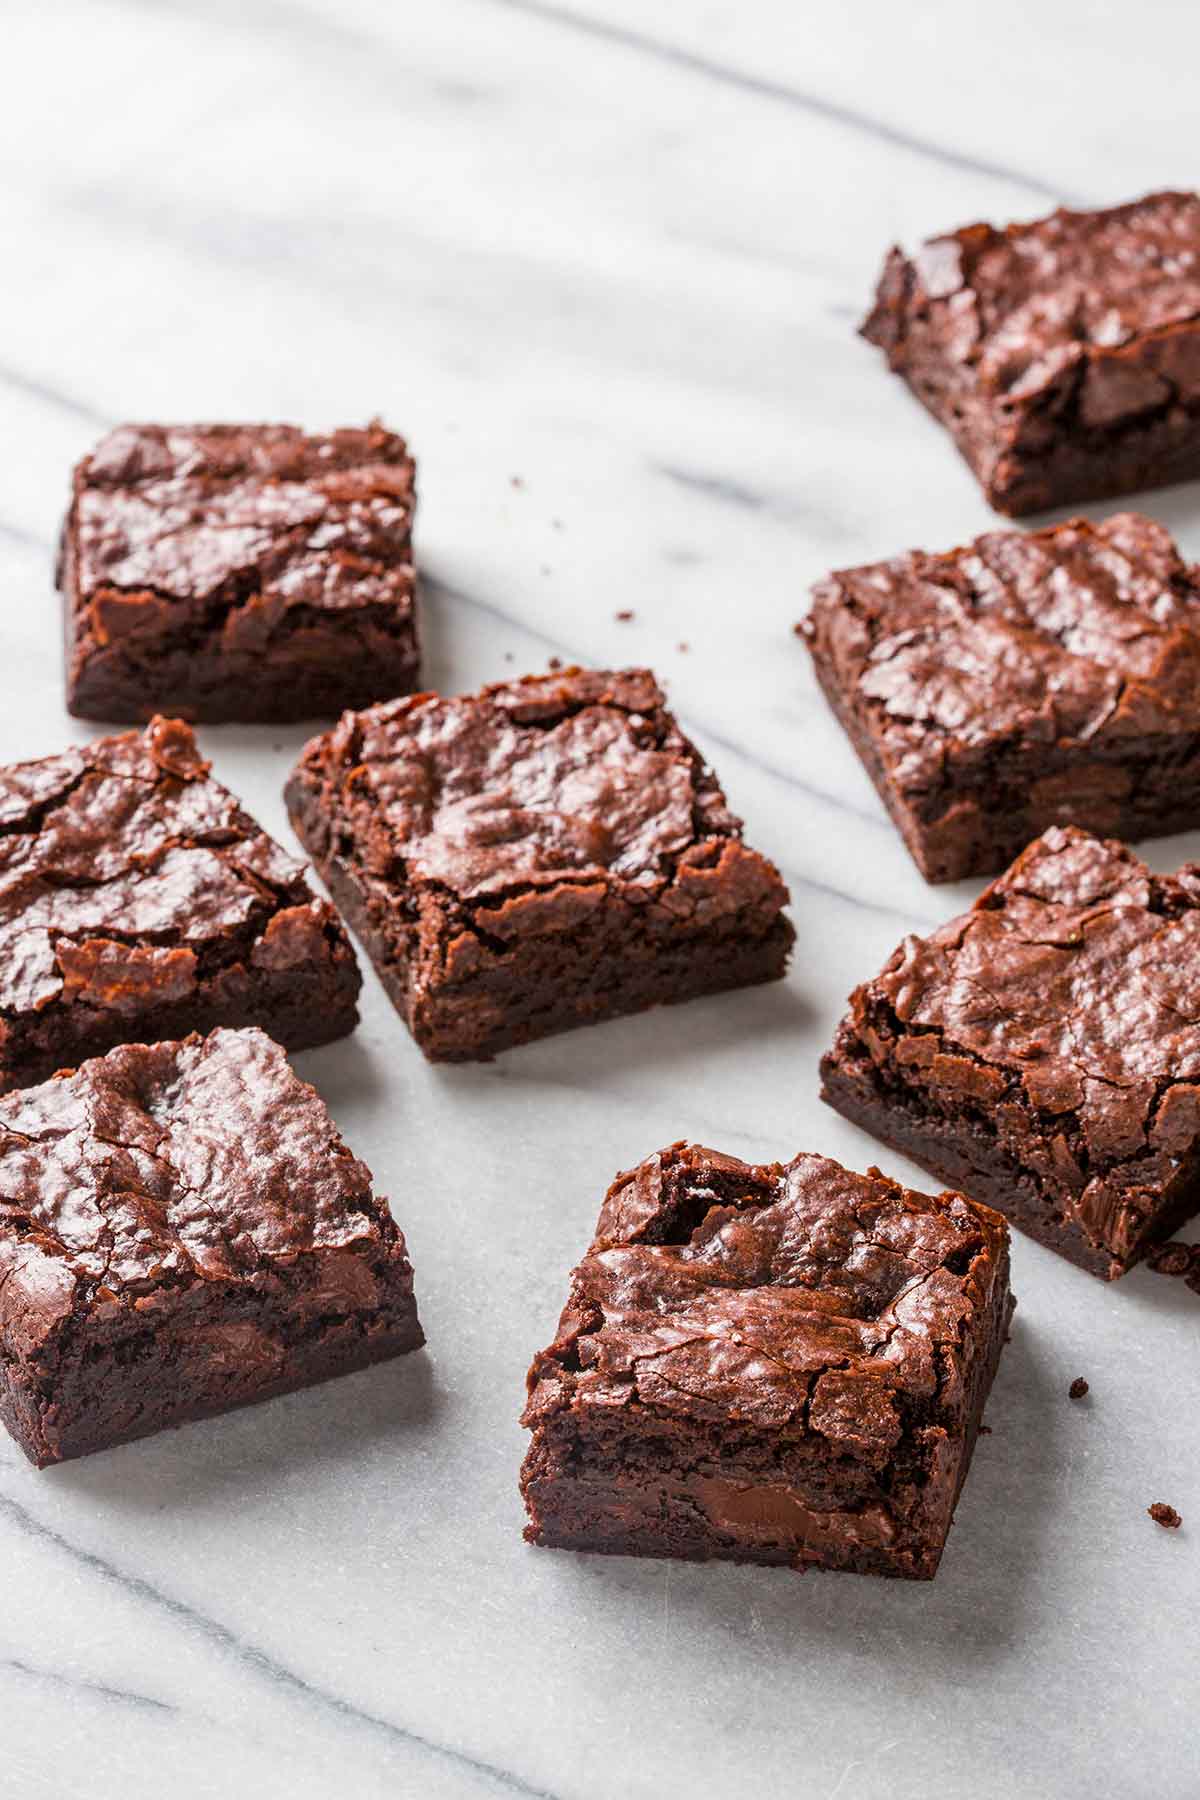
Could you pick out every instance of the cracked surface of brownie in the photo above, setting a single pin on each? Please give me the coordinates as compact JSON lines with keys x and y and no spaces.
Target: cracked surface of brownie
{"x":1063,"y":355}
{"x":783,"y":1363}
{"x":542,"y":854}
{"x":1021,"y":681}
{"x":239,"y":572}
{"x":1043,"y":1050}
{"x":138,"y":900}
{"x":183,"y":1230}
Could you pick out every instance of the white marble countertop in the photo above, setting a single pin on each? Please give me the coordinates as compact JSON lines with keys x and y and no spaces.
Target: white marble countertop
{"x":615,"y":250}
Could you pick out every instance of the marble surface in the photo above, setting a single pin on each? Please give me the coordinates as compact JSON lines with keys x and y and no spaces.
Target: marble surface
{"x":602,"y":263}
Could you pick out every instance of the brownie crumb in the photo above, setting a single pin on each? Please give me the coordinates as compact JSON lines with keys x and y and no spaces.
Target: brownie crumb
{"x":626,"y":613}
{"x":555,"y":662}
{"x":1078,"y":1388}
{"x":1165,"y":1515}
{"x":1177,"y":1259}
{"x":798,"y":628}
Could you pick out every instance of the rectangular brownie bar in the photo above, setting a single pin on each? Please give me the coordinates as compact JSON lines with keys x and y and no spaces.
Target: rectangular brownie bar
{"x":1022,"y":681}
{"x":1042,"y":1052}
{"x":1062,"y":355}
{"x":780,"y":1364}
{"x":543,"y":854}
{"x":183,"y":1231}
{"x":138,"y":901}
{"x":239,"y":572}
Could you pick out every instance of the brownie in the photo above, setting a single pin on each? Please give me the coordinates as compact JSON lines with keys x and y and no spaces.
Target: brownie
{"x":778,"y":1364}
{"x":1026,"y":680}
{"x":138,"y":901}
{"x":1043,"y":1051}
{"x":239,"y":572}
{"x":546,"y":853}
{"x":182,"y":1231}
{"x":1063,"y":355}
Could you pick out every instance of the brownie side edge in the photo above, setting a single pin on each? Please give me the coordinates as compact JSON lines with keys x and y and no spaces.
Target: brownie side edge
{"x":971,"y":1165}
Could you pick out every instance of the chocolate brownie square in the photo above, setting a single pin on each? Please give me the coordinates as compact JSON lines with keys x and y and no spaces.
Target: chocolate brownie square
{"x":239,"y":572}
{"x":779,"y":1364}
{"x":182,"y":1231}
{"x":138,"y":901}
{"x":546,"y":853}
{"x":1026,"y":680}
{"x":1042,"y":1052}
{"x":1063,"y":355}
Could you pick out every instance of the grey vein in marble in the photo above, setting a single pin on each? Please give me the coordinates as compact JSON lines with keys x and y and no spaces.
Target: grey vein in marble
{"x":252,"y":1656}
{"x":763,"y":88}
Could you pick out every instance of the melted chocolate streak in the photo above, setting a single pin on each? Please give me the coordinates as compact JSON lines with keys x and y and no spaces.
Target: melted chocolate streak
{"x":250,"y":1656}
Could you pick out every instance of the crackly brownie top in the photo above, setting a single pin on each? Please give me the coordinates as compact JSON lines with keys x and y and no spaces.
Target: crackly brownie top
{"x":159,"y":1164}
{"x":127,"y":874}
{"x":794,"y":1296}
{"x":1028,"y":303}
{"x":580,"y":775}
{"x":261,"y":515}
{"x":1073,"y":982}
{"x":1080,"y":632}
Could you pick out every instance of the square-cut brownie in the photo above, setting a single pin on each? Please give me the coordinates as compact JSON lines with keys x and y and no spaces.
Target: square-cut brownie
{"x":239,"y":572}
{"x":139,"y":901}
{"x":1042,"y":1052}
{"x":1062,"y":355}
{"x":778,"y":1364}
{"x":182,"y":1230}
{"x":1026,"y":680}
{"x":546,"y":853}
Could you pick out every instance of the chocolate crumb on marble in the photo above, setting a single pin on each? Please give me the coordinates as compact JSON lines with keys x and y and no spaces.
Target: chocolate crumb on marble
{"x":783,"y":1364}
{"x":1165,"y":1515}
{"x":1078,"y":1388}
{"x":1181,"y":1260}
